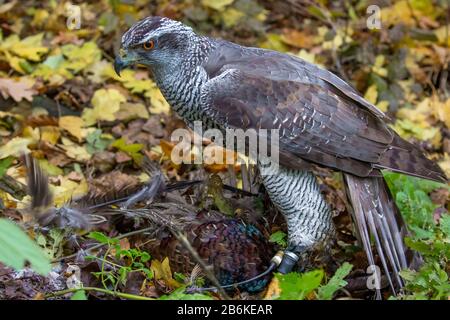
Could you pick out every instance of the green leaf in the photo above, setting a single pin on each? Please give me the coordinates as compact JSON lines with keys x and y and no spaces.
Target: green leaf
{"x":100,"y":237}
{"x":79,"y":295}
{"x":279,"y":238}
{"x":326,"y":292}
{"x":132,"y":149}
{"x":16,"y":248}
{"x":296,"y":286}
{"x":444,"y":223}
{"x":179,"y":294}
{"x":5,"y":164}
{"x":96,"y":142}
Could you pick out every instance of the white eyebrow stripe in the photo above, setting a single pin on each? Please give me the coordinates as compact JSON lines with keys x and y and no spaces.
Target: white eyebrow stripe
{"x":139,"y":32}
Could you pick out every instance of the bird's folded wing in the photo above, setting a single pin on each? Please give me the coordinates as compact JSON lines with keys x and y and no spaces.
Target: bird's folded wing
{"x":315,"y":123}
{"x":321,"y":118}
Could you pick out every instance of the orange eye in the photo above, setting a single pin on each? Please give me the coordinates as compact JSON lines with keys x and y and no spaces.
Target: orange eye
{"x":149,"y":45}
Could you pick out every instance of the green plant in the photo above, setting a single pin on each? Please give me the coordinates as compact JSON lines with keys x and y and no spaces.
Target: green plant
{"x":430,"y":236}
{"x":279,"y":237}
{"x":96,"y":141}
{"x":179,"y":294}
{"x":16,"y":248}
{"x":300,"y":286}
{"x":133,"y":259}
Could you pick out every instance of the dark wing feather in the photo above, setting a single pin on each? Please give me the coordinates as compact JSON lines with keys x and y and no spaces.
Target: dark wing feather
{"x":38,"y":187}
{"x":321,"y":118}
{"x":314,"y":123}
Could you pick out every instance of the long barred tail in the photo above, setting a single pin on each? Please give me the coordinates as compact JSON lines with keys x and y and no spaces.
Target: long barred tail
{"x":377,"y":217}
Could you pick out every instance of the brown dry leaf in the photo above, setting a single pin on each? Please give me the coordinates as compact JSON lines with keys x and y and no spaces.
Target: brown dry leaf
{"x":112,"y":184}
{"x":298,"y":39}
{"x":130,"y":111}
{"x":17,"y":90}
{"x":273,"y":289}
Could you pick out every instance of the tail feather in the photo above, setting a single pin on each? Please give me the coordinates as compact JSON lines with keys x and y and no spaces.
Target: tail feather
{"x":376,"y":216}
{"x":404,"y":157}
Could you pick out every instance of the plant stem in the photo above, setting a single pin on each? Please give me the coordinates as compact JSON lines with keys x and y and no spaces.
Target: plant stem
{"x":113,"y":293}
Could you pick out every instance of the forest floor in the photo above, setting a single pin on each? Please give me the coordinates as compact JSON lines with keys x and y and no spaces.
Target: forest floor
{"x":91,"y":132}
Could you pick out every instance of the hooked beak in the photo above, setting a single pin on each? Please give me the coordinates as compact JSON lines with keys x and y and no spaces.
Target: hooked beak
{"x":119,"y":64}
{"x":122,"y":61}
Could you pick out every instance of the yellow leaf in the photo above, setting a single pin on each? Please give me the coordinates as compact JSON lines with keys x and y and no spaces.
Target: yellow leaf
{"x":383,"y":105}
{"x":144,"y":86}
{"x":40,"y":17}
{"x":442,"y":112}
{"x":105,"y":102}
{"x":400,"y":12}
{"x":68,"y":189}
{"x":78,"y":58}
{"x":162,"y":271}
{"x":50,"y":134}
{"x":378,"y":66}
{"x":442,"y":34}
{"x":158,"y":102}
{"x":445,"y":164}
{"x":29,"y":48}
{"x":217,"y":4}
{"x":74,"y":151}
{"x":15,"y":147}
{"x":74,"y":125}
{"x":305,"y":55}
{"x":130,"y":111}
{"x":231,"y":17}
{"x":371,"y":94}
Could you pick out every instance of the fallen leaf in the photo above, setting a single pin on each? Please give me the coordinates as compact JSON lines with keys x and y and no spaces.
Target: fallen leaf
{"x":217,"y":4}
{"x":75,"y":151}
{"x":15,"y":147}
{"x":50,"y":134}
{"x":105,"y":102}
{"x":73,"y":125}
{"x":130,"y":111}
{"x":17,"y":90}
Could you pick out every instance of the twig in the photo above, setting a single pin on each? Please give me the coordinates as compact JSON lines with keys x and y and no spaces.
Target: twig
{"x":182,"y":238}
{"x":113,"y":293}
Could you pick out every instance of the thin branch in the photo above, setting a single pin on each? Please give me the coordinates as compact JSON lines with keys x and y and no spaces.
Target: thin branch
{"x":113,"y":293}
{"x":207,"y":270}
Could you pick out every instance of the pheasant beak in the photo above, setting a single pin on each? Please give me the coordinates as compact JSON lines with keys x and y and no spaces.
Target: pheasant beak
{"x":122,"y":61}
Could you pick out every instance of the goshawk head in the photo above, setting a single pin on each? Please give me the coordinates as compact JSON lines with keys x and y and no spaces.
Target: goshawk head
{"x":154,"y":41}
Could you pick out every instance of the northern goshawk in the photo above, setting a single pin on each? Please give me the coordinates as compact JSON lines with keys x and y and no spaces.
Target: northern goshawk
{"x":322,"y":121}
